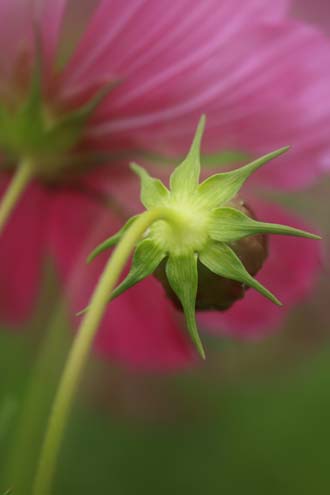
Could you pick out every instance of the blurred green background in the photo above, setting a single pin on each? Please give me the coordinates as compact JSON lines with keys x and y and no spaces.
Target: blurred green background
{"x":254,"y":419}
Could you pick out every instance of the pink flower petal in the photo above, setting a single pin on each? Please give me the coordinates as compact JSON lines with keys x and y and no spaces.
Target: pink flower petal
{"x":290,"y":272}
{"x":73,"y":24}
{"x":18,"y":20}
{"x":257,"y":95}
{"x":119,"y":36}
{"x":16,"y":17}
{"x":118,"y":184}
{"x":22,"y":247}
{"x":50,"y":14}
{"x":140,"y":328}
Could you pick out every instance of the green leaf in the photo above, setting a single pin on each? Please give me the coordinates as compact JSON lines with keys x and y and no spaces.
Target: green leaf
{"x":229,"y":224}
{"x":221,"y":259}
{"x":111,"y":241}
{"x":185,"y":177}
{"x":146,"y":258}
{"x":153,"y":191}
{"x":221,"y":188}
{"x":182,"y":275}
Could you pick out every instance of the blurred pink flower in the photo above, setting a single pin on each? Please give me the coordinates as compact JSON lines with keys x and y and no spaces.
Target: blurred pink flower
{"x":263,"y":82}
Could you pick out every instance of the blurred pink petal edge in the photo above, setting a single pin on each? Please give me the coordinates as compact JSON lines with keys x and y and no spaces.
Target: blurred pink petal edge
{"x":22,"y":251}
{"x":261,"y":80}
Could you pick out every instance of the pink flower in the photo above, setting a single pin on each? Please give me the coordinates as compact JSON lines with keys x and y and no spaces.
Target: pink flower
{"x":261,"y":79}
{"x":317,"y":12}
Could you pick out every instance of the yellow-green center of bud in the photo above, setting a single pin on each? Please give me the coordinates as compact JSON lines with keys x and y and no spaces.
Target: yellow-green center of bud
{"x":188,"y":230}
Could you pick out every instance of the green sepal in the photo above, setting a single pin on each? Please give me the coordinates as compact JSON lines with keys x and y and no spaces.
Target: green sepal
{"x":31,"y":130}
{"x":20,"y":128}
{"x":221,"y":188}
{"x":5,"y":125}
{"x":228,"y":225}
{"x":85,"y":111}
{"x":111,"y":241}
{"x":221,"y":260}
{"x":153,"y":191}
{"x":31,"y":110}
{"x":181,"y":272}
{"x":64,"y":134}
{"x":146,"y":258}
{"x":185,"y":177}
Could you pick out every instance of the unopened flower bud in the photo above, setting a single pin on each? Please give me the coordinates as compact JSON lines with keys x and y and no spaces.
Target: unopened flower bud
{"x":219,"y":293}
{"x":204,"y":244}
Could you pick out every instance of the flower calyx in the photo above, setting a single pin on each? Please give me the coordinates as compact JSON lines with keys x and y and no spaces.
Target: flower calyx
{"x":32,"y":129}
{"x":197,"y":228}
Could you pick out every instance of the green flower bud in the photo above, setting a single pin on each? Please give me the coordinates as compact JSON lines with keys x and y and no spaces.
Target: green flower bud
{"x":204,"y":243}
{"x":219,"y":293}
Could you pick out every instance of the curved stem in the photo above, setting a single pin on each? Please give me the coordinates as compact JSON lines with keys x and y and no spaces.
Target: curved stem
{"x":21,"y":179}
{"x":80,"y":349}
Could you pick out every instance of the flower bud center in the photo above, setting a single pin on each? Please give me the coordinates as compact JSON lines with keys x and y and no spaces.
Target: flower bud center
{"x":187,"y":232}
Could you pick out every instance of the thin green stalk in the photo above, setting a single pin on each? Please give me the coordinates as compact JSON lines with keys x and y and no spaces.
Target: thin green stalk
{"x":19,"y":183}
{"x":81,"y":346}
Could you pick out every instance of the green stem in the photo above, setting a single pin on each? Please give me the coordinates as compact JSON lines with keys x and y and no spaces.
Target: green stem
{"x":81,"y":346}
{"x":21,"y":179}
